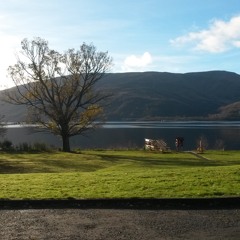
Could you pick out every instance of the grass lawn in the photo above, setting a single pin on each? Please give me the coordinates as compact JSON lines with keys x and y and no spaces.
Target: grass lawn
{"x":119,"y":174}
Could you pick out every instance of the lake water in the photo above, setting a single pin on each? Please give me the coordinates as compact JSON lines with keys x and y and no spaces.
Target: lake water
{"x":131,"y":134}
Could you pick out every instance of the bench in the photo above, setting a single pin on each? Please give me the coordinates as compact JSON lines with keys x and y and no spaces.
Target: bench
{"x":156,"y":145}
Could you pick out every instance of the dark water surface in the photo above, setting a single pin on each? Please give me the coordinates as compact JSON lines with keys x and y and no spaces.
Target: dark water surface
{"x":131,"y":134}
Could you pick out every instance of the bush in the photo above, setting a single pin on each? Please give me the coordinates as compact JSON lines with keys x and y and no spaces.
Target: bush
{"x":23,"y":147}
{"x":6,"y":145}
{"x":36,"y":147}
{"x":40,"y":147}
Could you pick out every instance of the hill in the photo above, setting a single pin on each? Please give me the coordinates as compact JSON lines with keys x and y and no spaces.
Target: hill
{"x":162,"y":95}
{"x":156,"y":95}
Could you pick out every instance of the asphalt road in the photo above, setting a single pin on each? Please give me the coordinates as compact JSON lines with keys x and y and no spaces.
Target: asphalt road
{"x":120,"y":219}
{"x":116,"y":224}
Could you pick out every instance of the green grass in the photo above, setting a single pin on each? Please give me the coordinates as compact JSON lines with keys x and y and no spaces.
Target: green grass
{"x":119,"y":174}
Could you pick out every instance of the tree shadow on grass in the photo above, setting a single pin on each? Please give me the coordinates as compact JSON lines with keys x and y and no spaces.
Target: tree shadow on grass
{"x":45,"y":165}
{"x":7,"y":168}
{"x":191,"y":161}
{"x":48,"y":166}
{"x":65,"y":166}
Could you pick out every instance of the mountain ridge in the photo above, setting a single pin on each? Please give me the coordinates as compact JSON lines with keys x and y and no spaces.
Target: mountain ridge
{"x":162,"y":95}
{"x":158,"y":95}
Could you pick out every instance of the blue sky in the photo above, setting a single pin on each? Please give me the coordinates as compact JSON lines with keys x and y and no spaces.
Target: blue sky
{"x":141,"y":35}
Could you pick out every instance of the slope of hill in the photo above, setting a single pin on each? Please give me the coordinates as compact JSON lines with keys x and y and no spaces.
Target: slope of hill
{"x":157,"y":95}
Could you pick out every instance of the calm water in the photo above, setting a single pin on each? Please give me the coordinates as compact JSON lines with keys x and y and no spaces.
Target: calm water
{"x":131,"y":134}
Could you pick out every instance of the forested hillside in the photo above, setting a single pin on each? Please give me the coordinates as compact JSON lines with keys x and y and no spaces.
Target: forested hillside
{"x":157,"y":95}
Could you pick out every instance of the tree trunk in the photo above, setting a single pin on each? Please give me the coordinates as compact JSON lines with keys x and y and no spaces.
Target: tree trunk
{"x":66,"y":143}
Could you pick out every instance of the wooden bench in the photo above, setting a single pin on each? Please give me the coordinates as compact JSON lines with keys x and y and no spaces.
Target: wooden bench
{"x":156,"y":145}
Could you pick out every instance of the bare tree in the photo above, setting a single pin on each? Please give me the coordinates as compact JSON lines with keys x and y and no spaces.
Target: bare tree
{"x":59,"y":89}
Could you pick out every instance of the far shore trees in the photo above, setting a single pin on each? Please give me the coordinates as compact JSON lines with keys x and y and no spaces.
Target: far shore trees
{"x":59,"y":89}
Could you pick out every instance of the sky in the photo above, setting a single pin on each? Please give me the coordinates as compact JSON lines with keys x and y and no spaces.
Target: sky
{"x":176,"y":36}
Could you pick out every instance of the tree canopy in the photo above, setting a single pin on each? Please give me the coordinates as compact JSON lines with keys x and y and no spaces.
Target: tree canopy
{"x":59,"y":88}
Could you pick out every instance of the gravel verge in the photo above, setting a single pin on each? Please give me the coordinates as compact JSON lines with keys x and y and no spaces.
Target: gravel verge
{"x":124,"y":221}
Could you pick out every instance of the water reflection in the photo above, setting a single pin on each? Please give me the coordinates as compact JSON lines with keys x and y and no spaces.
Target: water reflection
{"x":132,"y":134}
{"x":172,"y":124}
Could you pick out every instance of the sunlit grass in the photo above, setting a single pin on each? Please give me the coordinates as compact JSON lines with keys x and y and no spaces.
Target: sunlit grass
{"x":119,"y":174}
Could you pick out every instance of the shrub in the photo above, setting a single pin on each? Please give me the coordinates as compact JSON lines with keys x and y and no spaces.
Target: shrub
{"x":40,"y":147}
{"x":6,"y":145}
{"x":23,"y":147}
{"x":35,"y":147}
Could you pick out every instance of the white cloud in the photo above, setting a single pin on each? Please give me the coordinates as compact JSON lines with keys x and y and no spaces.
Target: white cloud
{"x":137,"y":63}
{"x":8,"y":46}
{"x":219,"y":37}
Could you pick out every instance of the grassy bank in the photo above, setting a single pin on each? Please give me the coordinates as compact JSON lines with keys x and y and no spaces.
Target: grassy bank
{"x":119,"y":174}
